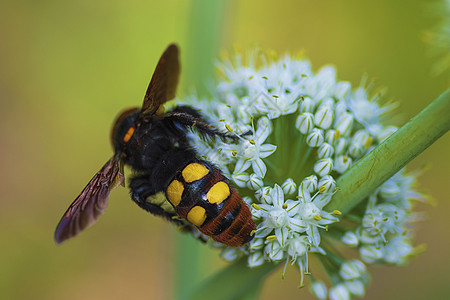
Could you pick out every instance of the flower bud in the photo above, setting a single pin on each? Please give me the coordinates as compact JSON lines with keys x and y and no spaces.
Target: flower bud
{"x":305,"y":122}
{"x":315,"y":138}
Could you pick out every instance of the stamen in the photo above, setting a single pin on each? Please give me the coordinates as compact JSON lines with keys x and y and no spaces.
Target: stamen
{"x":228,"y":127}
{"x":256,"y":206}
{"x":271,"y":238}
{"x":337,"y":135}
{"x":285,"y":265}
{"x":368,"y":142}
{"x":337,"y":212}
{"x":301,"y":276}
{"x":317,"y":218}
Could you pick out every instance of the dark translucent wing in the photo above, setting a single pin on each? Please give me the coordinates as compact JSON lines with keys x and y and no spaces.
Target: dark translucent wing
{"x":164,"y":81}
{"x":92,"y":201}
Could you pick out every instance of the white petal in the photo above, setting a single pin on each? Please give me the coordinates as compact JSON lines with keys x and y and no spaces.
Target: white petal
{"x":263,"y":233}
{"x":266,"y":149}
{"x":327,"y":218}
{"x":305,"y":123}
{"x":323,"y":117}
{"x":240,"y":179}
{"x":297,"y":225}
{"x":263,"y":195}
{"x":256,"y":244}
{"x":323,"y":166}
{"x":314,"y":235}
{"x":242,"y":165}
{"x":356,"y":287}
{"x":342,"y":163}
{"x":289,"y":186}
{"x":255,"y":259}
{"x":274,"y":251}
{"x":342,"y":89}
{"x":325,"y":150}
{"x":306,"y":105}
{"x":230,"y":254}
{"x":292,"y":207}
{"x":263,"y":131}
{"x":282,"y":235}
{"x":319,"y":290}
{"x":255,"y":182}
{"x":259,"y":167}
{"x":339,"y":292}
{"x":344,"y":124}
{"x":328,"y":182}
{"x":315,"y":138}
{"x":350,"y":239}
{"x":370,"y":254}
{"x":322,"y":199}
{"x":277,"y":196}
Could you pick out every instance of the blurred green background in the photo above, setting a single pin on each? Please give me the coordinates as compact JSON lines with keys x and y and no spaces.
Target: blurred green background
{"x":68,"y":67}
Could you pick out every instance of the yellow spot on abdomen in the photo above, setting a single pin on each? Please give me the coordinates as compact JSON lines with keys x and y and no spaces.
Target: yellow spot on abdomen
{"x":128,"y":135}
{"x":218,"y":193}
{"x":174,"y":192}
{"x":197,"y":215}
{"x":193,"y":172}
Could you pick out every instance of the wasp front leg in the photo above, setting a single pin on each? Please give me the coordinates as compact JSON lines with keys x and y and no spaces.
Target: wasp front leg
{"x":189,"y":117}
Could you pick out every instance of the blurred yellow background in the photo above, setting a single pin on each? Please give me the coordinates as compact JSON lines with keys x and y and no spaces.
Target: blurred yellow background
{"x":68,"y":67}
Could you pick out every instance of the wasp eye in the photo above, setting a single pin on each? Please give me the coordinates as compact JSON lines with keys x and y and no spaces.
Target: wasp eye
{"x":123,"y":126}
{"x":128,"y":135}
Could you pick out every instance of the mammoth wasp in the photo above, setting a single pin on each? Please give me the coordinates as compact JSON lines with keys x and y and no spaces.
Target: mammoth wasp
{"x":154,"y":144}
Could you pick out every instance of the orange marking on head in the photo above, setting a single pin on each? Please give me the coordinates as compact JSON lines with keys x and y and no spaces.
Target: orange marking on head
{"x":128,"y":135}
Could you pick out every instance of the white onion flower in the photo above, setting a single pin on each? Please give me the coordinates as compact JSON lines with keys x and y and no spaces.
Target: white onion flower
{"x":298,"y":133}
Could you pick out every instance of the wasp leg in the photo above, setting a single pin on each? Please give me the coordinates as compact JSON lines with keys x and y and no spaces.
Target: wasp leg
{"x":141,"y":189}
{"x":189,"y":117}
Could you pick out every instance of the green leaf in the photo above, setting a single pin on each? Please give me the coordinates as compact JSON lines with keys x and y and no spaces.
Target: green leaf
{"x":236,"y":281}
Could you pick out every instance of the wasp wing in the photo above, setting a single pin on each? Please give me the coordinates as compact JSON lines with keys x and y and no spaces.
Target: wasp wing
{"x":92,"y":201}
{"x":164,"y":81}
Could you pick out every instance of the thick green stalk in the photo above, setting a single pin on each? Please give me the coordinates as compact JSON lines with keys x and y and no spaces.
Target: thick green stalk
{"x":202,"y":48}
{"x":392,"y":155}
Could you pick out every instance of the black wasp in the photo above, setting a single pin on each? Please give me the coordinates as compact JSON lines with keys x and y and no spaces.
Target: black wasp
{"x":154,"y":144}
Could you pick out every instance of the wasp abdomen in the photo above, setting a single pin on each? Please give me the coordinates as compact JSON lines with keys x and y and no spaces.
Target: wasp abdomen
{"x":203,"y":196}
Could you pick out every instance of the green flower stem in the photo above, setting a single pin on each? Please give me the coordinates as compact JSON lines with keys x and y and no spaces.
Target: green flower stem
{"x":392,"y":155}
{"x":202,"y":47}
{"x":236,"y":281}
